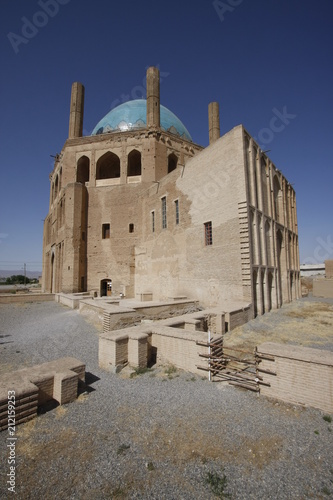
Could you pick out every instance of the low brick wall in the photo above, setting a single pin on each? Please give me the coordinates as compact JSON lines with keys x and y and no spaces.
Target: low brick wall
{"x":303,"y":376}
{"x":135,"y":345}
{"x":26,"y":297}
{"x":238,"y":317}
{"x":38,"y":384}
{"x":178,"y":347}
{"x":323,"y":288}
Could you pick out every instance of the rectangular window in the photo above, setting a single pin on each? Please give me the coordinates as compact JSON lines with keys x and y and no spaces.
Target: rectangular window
{"x":131,"y":228}
{"x":177,"y":211}
{"x":164,"y":214}
{"x":153,"y":222}
{"x":105,"y":231}
{"x":208,"y":233}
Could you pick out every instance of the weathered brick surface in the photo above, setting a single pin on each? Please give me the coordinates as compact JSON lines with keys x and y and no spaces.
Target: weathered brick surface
{"x":323,"y":287}
{"x":65,"y":386}
{"x":171,"y":345}
{"x":329,"y":269}
{"x":29,"y":297}
{"x":38,"y":384}
{"x":303,"y":376}
{"x":137,"y":349}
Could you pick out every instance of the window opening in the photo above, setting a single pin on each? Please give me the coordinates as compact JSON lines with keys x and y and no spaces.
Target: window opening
{"x":208,"y":233}
{"x":105,"y":231}
{"x":164,"y":216}
{"x":177,"y":211}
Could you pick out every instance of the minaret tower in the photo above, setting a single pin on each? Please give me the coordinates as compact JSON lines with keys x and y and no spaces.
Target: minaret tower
{"x":153,"y":97}
{"x":76,"y":111}
{"x":213,"y":122}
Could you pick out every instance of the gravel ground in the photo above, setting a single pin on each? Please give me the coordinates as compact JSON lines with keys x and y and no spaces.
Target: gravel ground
{"x":155,"y":436}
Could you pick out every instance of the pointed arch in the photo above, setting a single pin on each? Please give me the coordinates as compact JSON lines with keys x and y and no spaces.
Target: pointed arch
{"x":134,"y":163}
{"x":268,"y":238}
{"x":255,"y":292}
{"x":56,"y":186}
{"x":264,"y":186}
{"x":279,"y":247}
{"x":278,"y":204}
{"x":83,"y":170}
{"x":172,"y":162}
{"x":108,"y":166}
{"x":269,"y":290}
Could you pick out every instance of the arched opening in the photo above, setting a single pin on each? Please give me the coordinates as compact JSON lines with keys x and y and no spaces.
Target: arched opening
{"x":82,"y":170}
{"x":254,"y":246}
{"x":106,"y":288}
{"x":56,"y":187}
{"x":108,"y":166}
{"x":254,"y":284}
{"x":269,"y":290}
{"x":277,"y":193}
{"x":262,"y":284}
{"x":52,"y":273}
{"x":286,"y":204}
{"x":60,"y":179}
{"x":264,"y":186}
{"x":172,"y":162}
{"x":290,"y":252}
{"x":268,"y":243}
{"x":279,"y":243}
{"x":134,"y":163}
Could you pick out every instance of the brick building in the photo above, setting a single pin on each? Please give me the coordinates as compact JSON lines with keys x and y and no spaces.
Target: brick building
{"x":137,"y":208}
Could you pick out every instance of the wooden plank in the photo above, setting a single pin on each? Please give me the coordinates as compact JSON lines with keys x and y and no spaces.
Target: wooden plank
{"x":269,"y":372}
{"x":250,"y":388}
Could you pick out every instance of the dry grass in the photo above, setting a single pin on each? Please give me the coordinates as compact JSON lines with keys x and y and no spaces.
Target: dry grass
{"x":41,"y":452}
{"x":301,"y":323}
{"x":60,"y":411}
{"x":184,"y":441}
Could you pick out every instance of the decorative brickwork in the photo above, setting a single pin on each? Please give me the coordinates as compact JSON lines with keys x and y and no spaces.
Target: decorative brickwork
{"x":139,"y":210}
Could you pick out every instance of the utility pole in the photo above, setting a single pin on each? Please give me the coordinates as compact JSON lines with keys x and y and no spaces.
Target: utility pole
{"x":25,"y":273}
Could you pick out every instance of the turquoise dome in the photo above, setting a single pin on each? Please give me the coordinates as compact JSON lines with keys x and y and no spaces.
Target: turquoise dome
{"x":132,"y":115}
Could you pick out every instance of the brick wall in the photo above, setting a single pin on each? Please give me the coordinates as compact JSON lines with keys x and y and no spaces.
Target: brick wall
{"x":323,"y":287}
{"x":29,"y":297}
{"x":179,"y":348}
{"x":329,"y":268}
{"x":303,"y":375}
{"x":170,"y":345}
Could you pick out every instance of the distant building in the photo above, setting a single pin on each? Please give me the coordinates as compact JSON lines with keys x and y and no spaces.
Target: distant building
{"x":312,"y":269}
{"x":137,"y":208}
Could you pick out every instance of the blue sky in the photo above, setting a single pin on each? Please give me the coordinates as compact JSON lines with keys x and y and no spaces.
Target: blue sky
{"x":256,"y":58}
